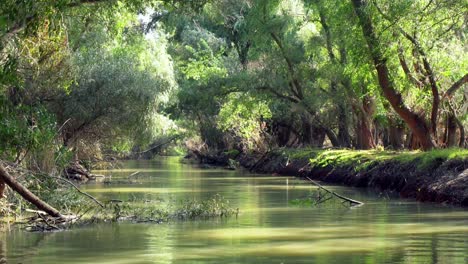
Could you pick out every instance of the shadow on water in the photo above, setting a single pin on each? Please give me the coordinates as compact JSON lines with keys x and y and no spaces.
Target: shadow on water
{"x":269,"y":228}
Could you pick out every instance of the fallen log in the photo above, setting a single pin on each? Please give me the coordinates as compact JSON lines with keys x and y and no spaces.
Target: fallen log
{"x":28,"y":195}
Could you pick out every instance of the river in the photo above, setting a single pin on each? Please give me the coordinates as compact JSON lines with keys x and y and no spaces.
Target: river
{"x":268,"y":229}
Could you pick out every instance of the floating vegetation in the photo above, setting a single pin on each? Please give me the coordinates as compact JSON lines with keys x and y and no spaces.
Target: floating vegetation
{"x":317,"y":198}
{"x":216,"y":206}
{"x":148,"y":211}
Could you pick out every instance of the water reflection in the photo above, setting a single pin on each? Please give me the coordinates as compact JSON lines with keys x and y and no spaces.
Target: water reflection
{"x":268,"y":230}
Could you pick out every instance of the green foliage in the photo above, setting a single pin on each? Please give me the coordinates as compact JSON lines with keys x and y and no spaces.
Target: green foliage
{"x":24,"y":128}
{"x":122,"y":77}
{"x":232,"y":153}
{"x":225,"y":71}
{"x":301,"y":153}
{"x":243,"y":116}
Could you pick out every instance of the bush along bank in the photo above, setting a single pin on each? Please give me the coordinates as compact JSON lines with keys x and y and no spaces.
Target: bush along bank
{"x":435,"y":176}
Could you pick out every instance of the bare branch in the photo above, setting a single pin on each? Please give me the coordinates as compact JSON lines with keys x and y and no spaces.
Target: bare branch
{"x":78,"y":189}
{"x":351,"y":201}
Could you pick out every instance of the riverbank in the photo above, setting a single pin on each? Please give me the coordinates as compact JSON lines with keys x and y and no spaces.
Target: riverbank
{"x":436,"y":176}
{"x":55,"y":203}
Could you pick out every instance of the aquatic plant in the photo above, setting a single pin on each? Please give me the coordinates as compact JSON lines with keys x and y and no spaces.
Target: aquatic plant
{"x":148,"y":211}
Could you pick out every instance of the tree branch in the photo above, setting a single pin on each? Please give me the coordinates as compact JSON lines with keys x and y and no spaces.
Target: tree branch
{"x":279,"y":95}
{"x":428,"y":72}
{"x":28,"y":195}
{"x":351,"y":201}
{"x":78,"y":189}
{"x":456,"y":86}
{"x":406,"y":69}
{"x":295,"y":86}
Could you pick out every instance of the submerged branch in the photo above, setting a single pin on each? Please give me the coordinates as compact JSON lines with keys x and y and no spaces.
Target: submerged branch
{"x":351,"y":201}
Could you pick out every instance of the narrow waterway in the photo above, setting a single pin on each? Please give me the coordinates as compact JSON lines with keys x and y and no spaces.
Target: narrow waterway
{"x":269,"y":229}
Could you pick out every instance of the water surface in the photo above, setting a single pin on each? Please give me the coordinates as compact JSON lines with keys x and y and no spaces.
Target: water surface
{"x":269,"y":229}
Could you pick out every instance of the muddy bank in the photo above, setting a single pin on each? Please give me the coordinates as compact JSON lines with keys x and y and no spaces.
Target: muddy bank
{"x":426,"y":178}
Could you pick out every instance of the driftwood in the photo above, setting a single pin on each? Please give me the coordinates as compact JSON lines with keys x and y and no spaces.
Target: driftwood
{"x":36,"y":211}
{"x":28,"y":195}
{"x":41,"y":222}
{"x":345,"y":199}
{"x":133,"y":174}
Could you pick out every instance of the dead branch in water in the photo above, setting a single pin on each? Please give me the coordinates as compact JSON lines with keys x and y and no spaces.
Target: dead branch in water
{"x":346,"y":199}
{"x":78,"y":189}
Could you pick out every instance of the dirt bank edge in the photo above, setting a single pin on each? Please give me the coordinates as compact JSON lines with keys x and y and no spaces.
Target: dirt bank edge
{"x":435,"y":177}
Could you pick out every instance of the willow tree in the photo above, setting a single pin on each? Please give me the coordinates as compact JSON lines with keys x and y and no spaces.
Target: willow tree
{"x":423,"y":76}
{"x":288,"y":71}
{"x":49,"y":74}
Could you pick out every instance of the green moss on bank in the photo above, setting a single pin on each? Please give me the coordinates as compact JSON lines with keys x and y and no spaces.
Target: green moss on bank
{"x":364,"y":159}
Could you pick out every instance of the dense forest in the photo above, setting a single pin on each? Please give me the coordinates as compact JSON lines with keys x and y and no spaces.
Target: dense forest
{"x":86,"y":81}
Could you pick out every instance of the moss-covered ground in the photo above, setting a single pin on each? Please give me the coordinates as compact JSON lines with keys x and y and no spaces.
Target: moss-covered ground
{"x":364,"y":159}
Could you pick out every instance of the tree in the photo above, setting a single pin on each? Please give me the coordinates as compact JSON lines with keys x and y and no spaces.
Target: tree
{"x":412,"y":119}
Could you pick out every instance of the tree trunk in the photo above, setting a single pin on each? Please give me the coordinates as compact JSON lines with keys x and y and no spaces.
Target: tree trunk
{"x":343,"y":127}
{"x":411,"y":142}
{"x":364,"y":137}
{"x":27,"y":195}
{"x":331,"y":136}
{"x":284,"y":133}
{"x":344,"y":139}
{"x":312,"y":135}
{"x":415,"y":123}
{"x":409,"y":139}
{"x":451,"y":139}
{"x":463,"y":140}
{"x":328,"y":131}
{"x":2,"y":188}
{"x":395,"y":134}
{"x":364,"y":111}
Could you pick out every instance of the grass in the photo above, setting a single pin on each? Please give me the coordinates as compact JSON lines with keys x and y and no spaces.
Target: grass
{"x":365,"y":159}
{"x":426,"y":159}
{"x":157,"y":211}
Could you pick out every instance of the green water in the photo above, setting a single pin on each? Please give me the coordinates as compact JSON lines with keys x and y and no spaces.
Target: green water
{"x":268,"y":229}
